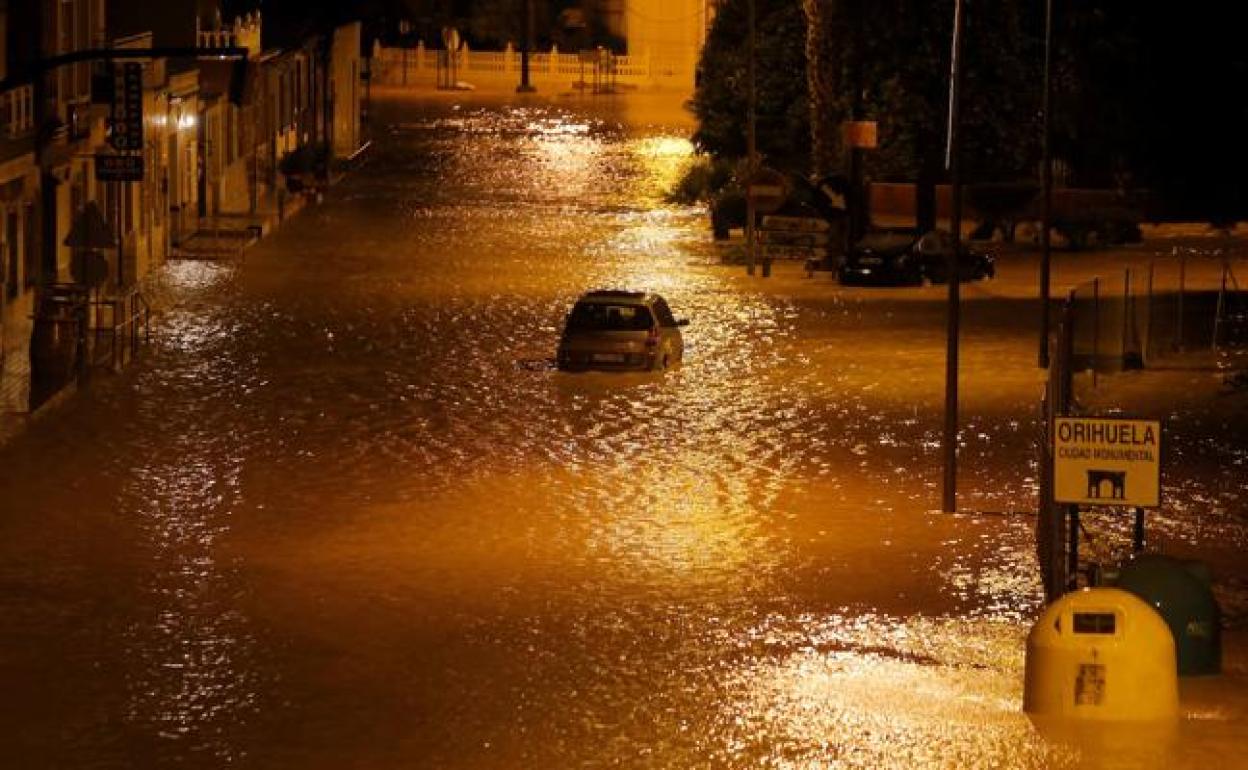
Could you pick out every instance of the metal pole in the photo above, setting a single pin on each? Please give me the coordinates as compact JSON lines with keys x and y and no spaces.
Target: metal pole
{"x":1046,"y":184}
{"x":950,"y":438}
{"x":1096,"y":327}
{"x":525,"y":86}
{"x":1127,"y":316}
{"x":1072,"y":566}
{"x":1221,"y":306}
{"x":751,"y":148}
{"x":117,"y":189}
{"x":1182,"y":290}
{"x":1138,"y":535}
{"x":1148,"y":313}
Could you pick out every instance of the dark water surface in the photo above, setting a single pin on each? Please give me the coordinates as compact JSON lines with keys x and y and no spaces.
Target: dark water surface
{"x":343,"y":514}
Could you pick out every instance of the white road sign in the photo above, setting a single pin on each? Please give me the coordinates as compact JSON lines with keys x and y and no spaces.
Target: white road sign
{"x":1107,"y":461}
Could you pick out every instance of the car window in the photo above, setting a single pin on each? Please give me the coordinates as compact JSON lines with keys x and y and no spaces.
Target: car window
{"x":663,"y":312}
{"x":601,"y":316}
{"x":936,"y":242}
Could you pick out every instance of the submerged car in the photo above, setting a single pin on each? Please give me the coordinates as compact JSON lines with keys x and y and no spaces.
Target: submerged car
{"x":628,"y":330}
{"x":903,"y":257}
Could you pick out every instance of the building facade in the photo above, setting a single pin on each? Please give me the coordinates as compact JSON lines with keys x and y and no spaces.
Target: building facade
{"x":19,"y":244}
{"x":216,"y":140}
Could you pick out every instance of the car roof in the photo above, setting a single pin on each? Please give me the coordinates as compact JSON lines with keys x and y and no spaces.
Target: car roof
{"x":617,"y":295}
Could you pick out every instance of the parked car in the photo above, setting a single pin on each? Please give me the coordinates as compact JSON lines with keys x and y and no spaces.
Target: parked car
{"x":621,"y":330}
{"x":903,"y":257}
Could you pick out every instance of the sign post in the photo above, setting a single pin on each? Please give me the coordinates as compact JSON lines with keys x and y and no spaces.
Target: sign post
{"x":795,"y":237}
{"x":1105,"y":461}
{"x":126,"y":136}
{"x":765,"y":193}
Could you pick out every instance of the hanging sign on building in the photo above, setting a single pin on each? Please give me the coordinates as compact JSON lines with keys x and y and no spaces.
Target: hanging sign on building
{"x":118,"y":168}
{"x":1107,"y":461}
{"x":126,"y":118}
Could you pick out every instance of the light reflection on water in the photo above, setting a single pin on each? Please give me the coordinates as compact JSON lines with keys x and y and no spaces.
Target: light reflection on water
{"x":191,"y":674}
{"x":362,"y":522}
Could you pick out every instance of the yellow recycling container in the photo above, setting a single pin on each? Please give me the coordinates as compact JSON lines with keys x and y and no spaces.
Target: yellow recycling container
{"x":1101,"y":653}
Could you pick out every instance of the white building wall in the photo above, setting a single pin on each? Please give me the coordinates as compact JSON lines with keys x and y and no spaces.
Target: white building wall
{"x":345,"y":84}
{"x":668,"y":33}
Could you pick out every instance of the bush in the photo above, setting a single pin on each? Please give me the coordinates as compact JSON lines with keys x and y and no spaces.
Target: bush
{"x":702,"y":182}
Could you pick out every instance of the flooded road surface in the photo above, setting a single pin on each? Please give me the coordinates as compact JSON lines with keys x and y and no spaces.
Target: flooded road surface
{"x":344,"y":514}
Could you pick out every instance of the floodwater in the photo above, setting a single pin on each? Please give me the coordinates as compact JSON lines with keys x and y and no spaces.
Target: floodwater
{"x":342,"y":513}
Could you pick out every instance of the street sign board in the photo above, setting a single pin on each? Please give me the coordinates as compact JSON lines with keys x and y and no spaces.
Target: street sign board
{"x":783,"y":251}
{"x":793,"y":238}
{"x":862,"y":134}
{"x":767,"y":197}
{"x":126,"y":118}
{"x":118,"y":168}
{"x":767,"y":188}
{"x":1107,"y":461}
{"x":799,"y":224}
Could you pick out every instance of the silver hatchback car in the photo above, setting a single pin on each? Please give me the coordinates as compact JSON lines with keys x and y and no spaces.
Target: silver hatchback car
{"x":621,"y":330}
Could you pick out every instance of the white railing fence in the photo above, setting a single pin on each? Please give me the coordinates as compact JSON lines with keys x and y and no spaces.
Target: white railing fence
{"x":419,"y":65}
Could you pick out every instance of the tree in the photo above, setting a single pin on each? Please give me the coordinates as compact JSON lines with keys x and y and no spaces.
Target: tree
{"x":889,"y":62}
{"x":721,"y":100}
{"x":494,"y":23}
{"x":1143,"y":101}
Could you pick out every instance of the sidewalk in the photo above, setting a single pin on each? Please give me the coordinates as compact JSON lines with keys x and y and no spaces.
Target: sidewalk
{"x":228,"y":235}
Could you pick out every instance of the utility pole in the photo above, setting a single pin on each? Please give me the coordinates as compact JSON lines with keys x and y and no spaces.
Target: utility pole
{"x":525,"y":85}
{"x":953,"y":162}
{"x":1046,"y":185}
{"x":751,"y":148}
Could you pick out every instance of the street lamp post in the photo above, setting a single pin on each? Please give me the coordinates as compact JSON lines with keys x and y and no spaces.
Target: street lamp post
{"x":952,"y":161}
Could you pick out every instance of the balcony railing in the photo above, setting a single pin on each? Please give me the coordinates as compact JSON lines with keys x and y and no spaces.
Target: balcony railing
{"x":17,"y":112}
{"x":223,"y":38}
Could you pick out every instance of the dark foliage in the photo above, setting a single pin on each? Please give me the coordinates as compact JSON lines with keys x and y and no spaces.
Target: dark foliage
{"x":721,"y":98}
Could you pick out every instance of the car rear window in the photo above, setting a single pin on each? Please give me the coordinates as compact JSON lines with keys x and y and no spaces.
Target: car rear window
{"x":601,"y":316}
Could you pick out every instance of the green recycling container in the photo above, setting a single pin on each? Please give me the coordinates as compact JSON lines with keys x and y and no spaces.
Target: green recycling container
{"x":1180,"y":591}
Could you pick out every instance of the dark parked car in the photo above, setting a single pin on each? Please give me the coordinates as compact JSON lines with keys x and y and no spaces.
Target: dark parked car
{"x":621,"y":330}
{"x":903,"y":257}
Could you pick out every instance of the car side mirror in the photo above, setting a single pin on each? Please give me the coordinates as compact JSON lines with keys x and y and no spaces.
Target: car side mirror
{"x":683,"y":322}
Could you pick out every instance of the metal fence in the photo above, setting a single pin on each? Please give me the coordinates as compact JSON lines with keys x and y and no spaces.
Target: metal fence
{"x":1188,"y":305}
{"x":1187,"y":309}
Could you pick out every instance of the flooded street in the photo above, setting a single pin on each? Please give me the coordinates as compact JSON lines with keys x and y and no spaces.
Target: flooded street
{"x":343,"y":512}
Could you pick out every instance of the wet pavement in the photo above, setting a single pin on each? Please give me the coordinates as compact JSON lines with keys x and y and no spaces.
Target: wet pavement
{"x":344,"y":513}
